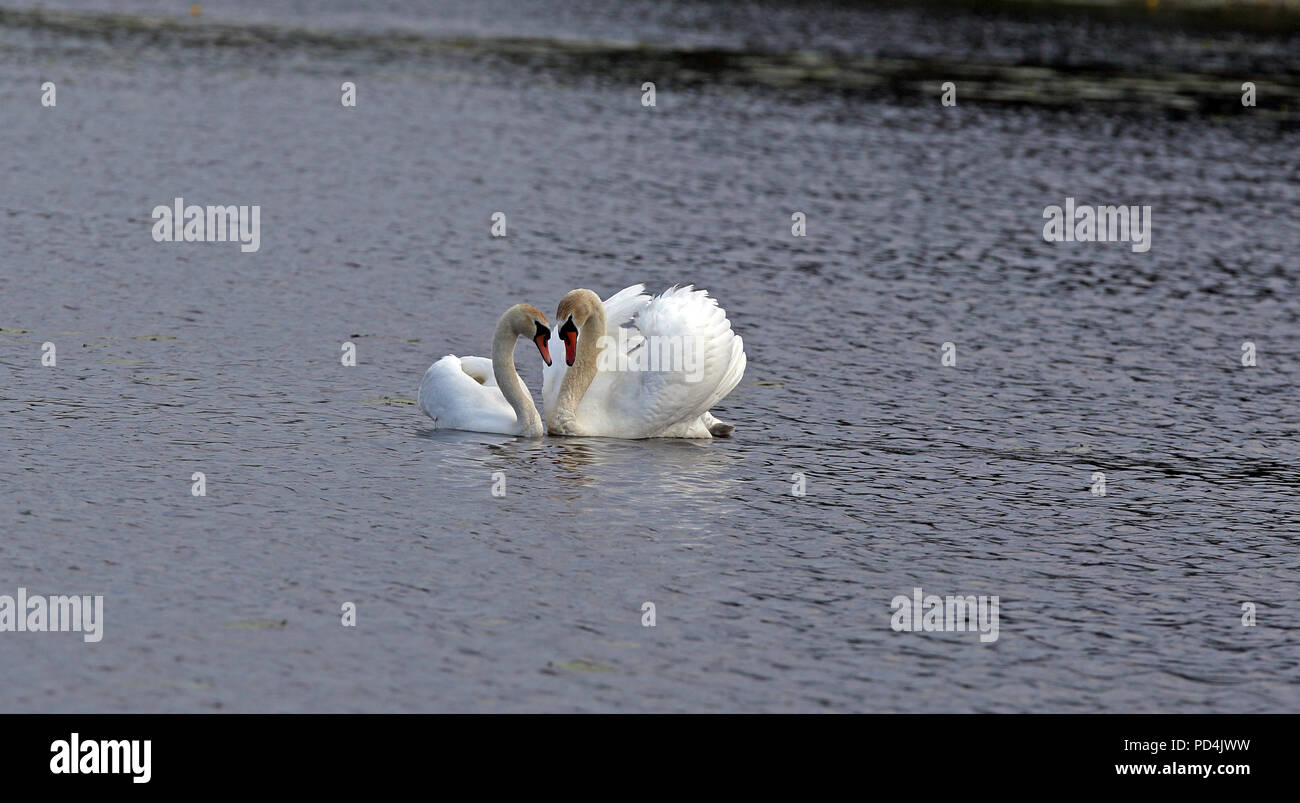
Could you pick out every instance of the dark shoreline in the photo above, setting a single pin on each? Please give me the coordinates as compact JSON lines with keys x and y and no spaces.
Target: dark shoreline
{"x":1068,"y":81}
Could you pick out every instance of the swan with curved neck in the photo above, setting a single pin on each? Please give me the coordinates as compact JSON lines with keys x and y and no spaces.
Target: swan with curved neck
{"x":584,"y":324}
{"x":631,"y":400}
{"x":479,"y":395}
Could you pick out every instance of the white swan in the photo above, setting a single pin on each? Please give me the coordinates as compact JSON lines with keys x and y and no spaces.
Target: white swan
{"x":482,"y":395}
{"x":620,"y":309}
{"x":657,"y":378}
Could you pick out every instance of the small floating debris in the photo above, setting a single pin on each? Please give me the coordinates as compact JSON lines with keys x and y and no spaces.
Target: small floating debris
{"x":580,"y":665}
{"x":257,"y":624}
{"x":197,"y":685}
{"x":390,"y":400}
{"x":4,"y":331}
{"x":155,"y":337}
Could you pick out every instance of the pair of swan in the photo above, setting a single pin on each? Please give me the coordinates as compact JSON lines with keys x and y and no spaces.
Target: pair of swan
{"x":634,"y":367}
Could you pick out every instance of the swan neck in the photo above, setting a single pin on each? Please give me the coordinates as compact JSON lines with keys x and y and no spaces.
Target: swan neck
{"x":512,"y":387}
{"x":582,"y":373}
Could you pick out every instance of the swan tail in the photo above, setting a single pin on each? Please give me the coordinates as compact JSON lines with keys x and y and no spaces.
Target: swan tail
{"x":717,"y":428}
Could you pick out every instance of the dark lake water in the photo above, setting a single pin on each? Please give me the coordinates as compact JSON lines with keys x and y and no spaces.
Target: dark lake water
{"x":326,"y":485}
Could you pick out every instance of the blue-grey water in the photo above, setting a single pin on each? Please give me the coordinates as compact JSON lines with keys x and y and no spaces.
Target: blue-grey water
{"x":326,"y":485}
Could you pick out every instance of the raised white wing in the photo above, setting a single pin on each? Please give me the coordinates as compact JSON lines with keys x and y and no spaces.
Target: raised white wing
{"x":623,"y":306}
{"x":687,"y":360}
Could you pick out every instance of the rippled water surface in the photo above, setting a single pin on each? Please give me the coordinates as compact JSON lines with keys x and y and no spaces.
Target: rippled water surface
{"x":325,"y":484}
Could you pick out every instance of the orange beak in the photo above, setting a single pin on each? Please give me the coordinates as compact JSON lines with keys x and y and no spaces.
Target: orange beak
{"x":569,"y":333}
{"x":542,"y":336}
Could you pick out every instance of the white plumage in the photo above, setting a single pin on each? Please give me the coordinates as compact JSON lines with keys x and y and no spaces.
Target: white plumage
{"x":461,"y":393}
{"x":671,"y":402}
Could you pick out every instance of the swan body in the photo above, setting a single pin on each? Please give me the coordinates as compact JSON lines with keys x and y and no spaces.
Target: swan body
{"x":614,"y":383}
{"x":455,"y":397}
{"x":482,"y":395}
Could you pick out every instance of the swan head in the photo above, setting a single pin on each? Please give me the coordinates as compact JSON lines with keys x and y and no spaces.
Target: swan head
{"x":575,"y":309}
{"x":525,"y":320}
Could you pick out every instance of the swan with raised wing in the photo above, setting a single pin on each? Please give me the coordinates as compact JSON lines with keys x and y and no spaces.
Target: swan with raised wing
{"x":656,"y":377}
{"x":482,"y":395}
